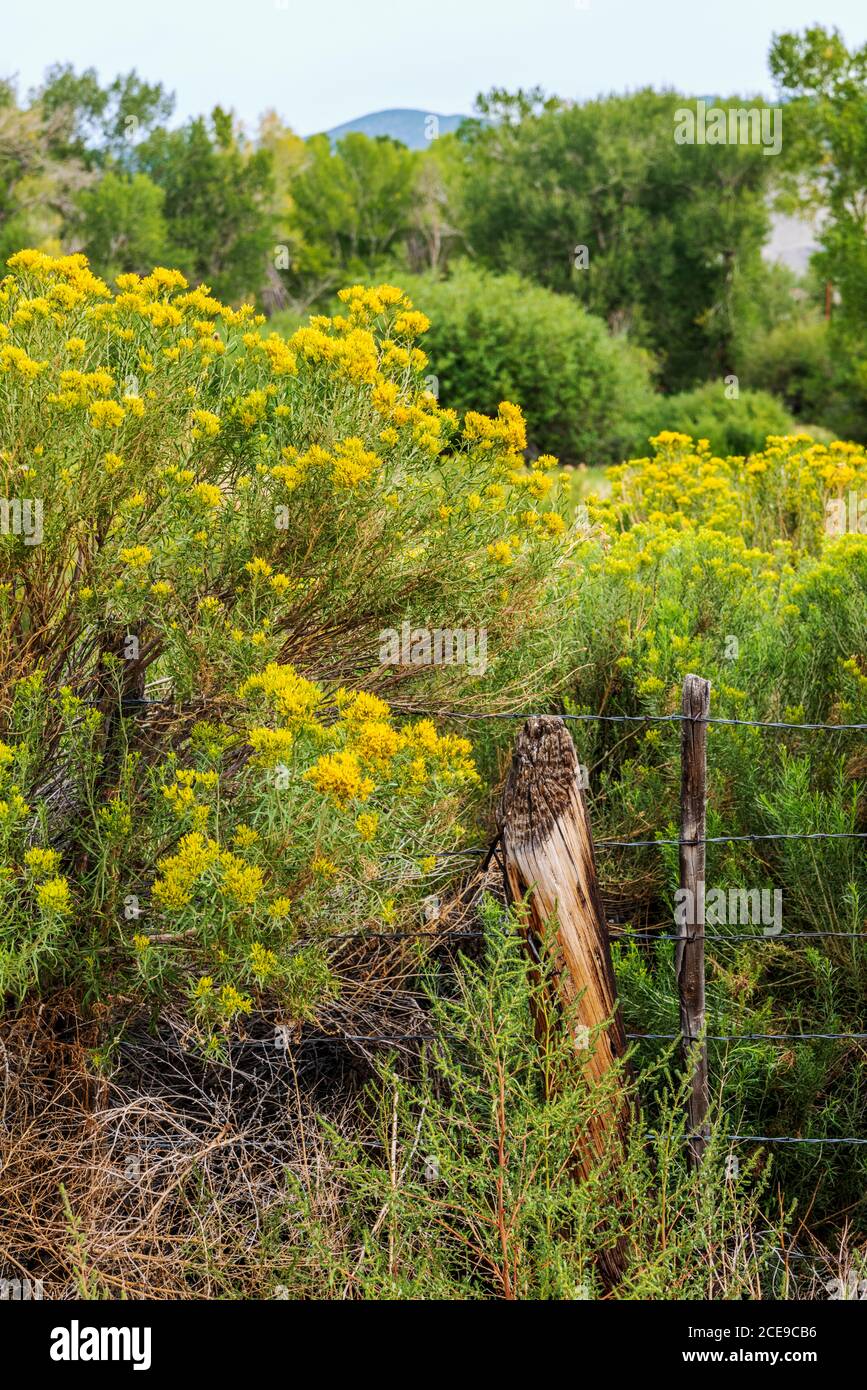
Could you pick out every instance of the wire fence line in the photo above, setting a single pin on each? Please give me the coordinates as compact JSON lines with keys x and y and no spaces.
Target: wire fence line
{"x":636,"y":1037}
{"x":632,"y":719}
{"x":748,"y":1037}
{"x":707,"y":840}
{"x":737,"y":839}
{"x":793,"y":1139}
{"x":440,"y":938}
{"x":415,"y":711}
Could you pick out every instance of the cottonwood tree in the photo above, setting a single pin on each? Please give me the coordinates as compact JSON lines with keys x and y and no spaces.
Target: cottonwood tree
{"x":825,"y":85}
{"x":669,"y":228}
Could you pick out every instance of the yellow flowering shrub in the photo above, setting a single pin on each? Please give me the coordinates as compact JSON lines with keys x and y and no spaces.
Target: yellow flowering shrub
{"x":205,"y":514}
{"x":738,"y":568}
{"x":752,"y":573}
{"x":793,"y":490}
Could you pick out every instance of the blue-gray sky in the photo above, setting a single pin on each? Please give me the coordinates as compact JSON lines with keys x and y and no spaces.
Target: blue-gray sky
{"x":320,"y":62}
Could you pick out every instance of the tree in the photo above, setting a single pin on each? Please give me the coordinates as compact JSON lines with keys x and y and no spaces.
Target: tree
{"x":352,"y":206}
{"x":826,"y":88}
{"x":288,"y":155}
{"x":434,"y":233}
{"x":99,"y":125}
{"x":38,"y":191}
{"x":599,"y":201}
{"x":124,"y":227}
{"x":218,"y":196}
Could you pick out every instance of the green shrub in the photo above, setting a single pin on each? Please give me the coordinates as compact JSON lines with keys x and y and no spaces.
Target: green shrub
{"x":801,"y":362}
{"x":245,"y":521}
{"x":496,"y":336}
{"x":738,"y":426}
{"x":469,"y":1192}
{"x":793,"y":362}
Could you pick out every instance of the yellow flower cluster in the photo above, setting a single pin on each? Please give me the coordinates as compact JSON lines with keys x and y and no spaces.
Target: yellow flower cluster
{"x":54,"y":898}
{"x":288,"y":694}
{"x":208,"y":494}
{"x":206,"y":423}
{"x":358,"y":706}
{"x":790,"y":490}
{"x":232,"y":1002}
{"x":448,"y":752}
{"x":181,"y":794}
{"x":353,"y":464}
{"x":106,"y":415}
{"x":13,"y":808}
{"x":41,"y":863}
{"x":263,"y":962}
{"x":339,"y":776}
{"x":367,"y":824}
{"x":136,"y":556}
{"x":73,"y":270}
{"x":199,"y":860}
{"x":15,"y":358}
{"x":353,"y":355}
{"x":271,"y":747}
{"x":181,"y":872}
{"x":508,"y":429}
{"x":362,"y":303}
{"x":350,"y":463}
{"x":371,"y":743}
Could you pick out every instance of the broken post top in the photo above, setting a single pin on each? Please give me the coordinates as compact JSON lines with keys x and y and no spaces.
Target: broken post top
{"x":696,"y":697}
{"x":542,"y":780}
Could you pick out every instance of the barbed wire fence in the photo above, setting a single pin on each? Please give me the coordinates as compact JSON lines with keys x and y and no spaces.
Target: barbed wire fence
{"x":691,"y":937}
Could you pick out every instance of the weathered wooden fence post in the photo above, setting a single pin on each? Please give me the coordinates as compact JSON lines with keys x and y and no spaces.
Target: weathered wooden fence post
{"x":549,"y":860}
{"x":689,"y":950}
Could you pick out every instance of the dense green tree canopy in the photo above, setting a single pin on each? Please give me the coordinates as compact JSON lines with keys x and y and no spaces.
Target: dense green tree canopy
{"x":667,"y":228}
{"x":826,"y":145}
{"x":217,"y":196}
{"x":353,"y":205}
{"x":124,"y":226}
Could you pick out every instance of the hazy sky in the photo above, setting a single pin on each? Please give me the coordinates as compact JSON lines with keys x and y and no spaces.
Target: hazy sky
{"x":320,"y":62}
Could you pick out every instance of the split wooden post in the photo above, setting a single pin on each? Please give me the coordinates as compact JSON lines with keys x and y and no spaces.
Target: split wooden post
{"x":689,"y":950}
{"x":549,"y":860}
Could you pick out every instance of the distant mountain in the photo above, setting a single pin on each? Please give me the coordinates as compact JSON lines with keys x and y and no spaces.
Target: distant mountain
{"x":411,"y":128}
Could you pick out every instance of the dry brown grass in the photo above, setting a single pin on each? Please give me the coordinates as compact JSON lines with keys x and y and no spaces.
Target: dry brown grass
{"x":164,"y":1175}
{"x":157,"y":1183}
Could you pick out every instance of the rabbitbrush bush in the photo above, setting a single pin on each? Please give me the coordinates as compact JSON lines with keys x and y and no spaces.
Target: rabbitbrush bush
{"x":236,"y":518}
{"x":751,"y":572}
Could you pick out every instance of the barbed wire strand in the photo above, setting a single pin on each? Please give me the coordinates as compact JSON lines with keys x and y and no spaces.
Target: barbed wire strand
{"x":136,"y":702}
{"x":736,"y":839}
{"x":636,"y":1037}
{"x":631,"y":719}
{"x":747,"y":1037}
{"x":443,"y":938}
{"x":644,"y":844}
